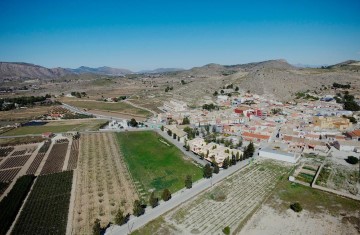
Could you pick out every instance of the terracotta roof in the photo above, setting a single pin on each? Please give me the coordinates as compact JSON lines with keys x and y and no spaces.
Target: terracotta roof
{"x":257,"y":136}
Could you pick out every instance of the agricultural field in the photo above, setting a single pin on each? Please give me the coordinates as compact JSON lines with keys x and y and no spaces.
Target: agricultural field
{"x":155,"y":165}
{"x":74,"y":154}
{"x":23,"y":115}
{"x":229,"y":203}
{"x":55,"y":161}
{"x":103,"y":185}
{"x":120,"y":107}
{"x":38,"y":158}
{"x":46,"y":209}
{"x":12,"y":202}
{"x":58,"y":126}
{"x":21,"y":140}
{"x":323,"y":213}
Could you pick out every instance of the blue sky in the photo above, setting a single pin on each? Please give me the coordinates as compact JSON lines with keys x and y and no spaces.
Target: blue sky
{"x":150,"y":34}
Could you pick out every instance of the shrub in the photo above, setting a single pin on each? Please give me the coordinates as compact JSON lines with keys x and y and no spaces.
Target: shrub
{"x":352,"y":160}
{"x":226,"y":230}
{"x":296,"y":207}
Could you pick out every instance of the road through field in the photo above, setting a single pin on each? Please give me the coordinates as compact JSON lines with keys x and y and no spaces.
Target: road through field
{"x":177,"y":199}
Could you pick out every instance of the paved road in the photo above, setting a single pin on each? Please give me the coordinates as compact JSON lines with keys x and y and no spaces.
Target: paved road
{"x":177,"y":199}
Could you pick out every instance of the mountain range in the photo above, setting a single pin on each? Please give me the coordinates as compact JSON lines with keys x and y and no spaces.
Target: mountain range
{"x":16,"y":70}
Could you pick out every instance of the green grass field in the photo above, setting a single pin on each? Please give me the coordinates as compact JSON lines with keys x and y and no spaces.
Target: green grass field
{"x":61,"y":126}
{"x":107,"y":106}
{"x":155,"y":165}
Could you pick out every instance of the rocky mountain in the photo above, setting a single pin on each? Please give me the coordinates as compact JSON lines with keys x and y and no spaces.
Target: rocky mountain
{"x":102,"y":71}
{"x":274,"y":78}
{"x":14,"y":71}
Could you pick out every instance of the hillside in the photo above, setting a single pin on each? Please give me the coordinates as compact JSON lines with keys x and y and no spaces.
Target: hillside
{"x":15,"y":71}
{"x":102,"y":71}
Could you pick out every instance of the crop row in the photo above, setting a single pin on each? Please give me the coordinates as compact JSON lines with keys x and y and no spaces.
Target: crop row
{"x":55,"y":161}
{"x":74,"y":153}
{"x":8,"y":175}
{"x":5,"y":151}
{"x":15,"y":162}
{"x":46,"y":209}
{"x":39,"y":157}
{"x":60,"y":141}
{"x":11,"y":204}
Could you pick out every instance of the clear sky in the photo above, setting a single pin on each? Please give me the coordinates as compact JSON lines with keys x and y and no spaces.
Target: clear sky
{"x":150,"y":34}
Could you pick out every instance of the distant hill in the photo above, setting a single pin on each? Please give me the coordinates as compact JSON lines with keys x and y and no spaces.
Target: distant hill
{"x":102,"y":71}
{"x":345,"y":64}
{"x":16,"y":71}
{"x":13,"y":71}
{"x":161,"y":70}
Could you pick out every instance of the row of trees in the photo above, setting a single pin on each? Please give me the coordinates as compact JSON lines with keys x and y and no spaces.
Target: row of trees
{"x":139,"y":208}
{"x":9,"y":103}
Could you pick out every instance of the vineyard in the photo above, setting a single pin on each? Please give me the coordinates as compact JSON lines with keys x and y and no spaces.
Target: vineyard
{"x":15,"y":162}
{"x":5,"y":151}
{"x":74,"y":153}
{"x":55,"y":161}
{"x":8,"y":175}
{"x":38,"y":158}
{"x":103,"y":184}
{"x":11,"y":203}
{"x":46,"y":209}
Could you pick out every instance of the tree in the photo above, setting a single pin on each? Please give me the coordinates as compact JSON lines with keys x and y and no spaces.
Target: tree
{"x":240,"y":143}
{"x":222,"y":91}
{"x":162,"y":128}
{"x":169,"y":132}
{"x":166,"y":195}
{"x":153,"y":201}
{"x":207,"y":171}
{"x":226,"y":163}
{"x":185,"y":121}
{"x":215,"y":93}
{"x":352,"y":160}
{"x":120,"y":219}
{"x":233,"y":160}
{"x":133,"y":122}
{"x":237,"y":88}
{"x":138,"y":208}
{"x":296,"y":207}
{"x":226,"y":230}
{"x":237,"y":157}
{"x":96,"y":227}
{"x":174,"y":136}
{"x":188,"y":181}
{"x":249,"y":151}
{"x":216,"y":167}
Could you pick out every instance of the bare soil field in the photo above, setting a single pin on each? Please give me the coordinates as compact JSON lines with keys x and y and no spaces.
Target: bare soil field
{"x":119,"y":107}
{"x":269,"y":221}
{"x":103,"y":183}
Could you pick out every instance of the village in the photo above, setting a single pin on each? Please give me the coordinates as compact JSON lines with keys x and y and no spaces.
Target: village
{"x":280,"y":131}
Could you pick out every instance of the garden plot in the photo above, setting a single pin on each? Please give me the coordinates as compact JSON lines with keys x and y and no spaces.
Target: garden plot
{"x":339,"y":177}
{"x":103,"y":183}
{"x":306,"y":173}
{"x":229,"y":203}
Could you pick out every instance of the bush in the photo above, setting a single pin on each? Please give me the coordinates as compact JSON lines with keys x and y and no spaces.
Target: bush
{"x":296,"y":207}
{"x":352,"y":160}
{"x":226,"y":230}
